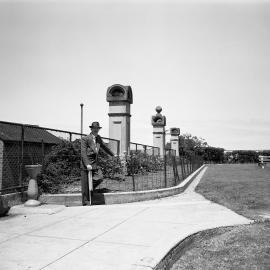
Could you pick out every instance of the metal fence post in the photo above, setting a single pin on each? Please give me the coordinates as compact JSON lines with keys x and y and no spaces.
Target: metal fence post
{"x":174,"y":170}
{"x":42,"y":152}
{"x":184,"y":167}
{"x":21,"y":156}
{"x":118,"y":148}
{"x":132,"y":171}
{"x":81,"y":161}
{"x":165,"y":168}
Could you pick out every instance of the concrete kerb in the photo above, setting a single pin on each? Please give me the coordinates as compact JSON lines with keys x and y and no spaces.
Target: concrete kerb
{"x":12,"y":199}
{"x":42,"y":209}
{"x":121,"y":197}
{"x":175,"y":253}
{"x":178,"y":250}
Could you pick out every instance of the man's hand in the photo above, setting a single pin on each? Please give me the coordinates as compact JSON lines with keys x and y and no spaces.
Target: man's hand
{"x":89,"y":167}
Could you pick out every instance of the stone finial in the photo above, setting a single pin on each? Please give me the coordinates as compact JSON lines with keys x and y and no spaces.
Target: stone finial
{"x":158,"y":109}
{"x":158,"y":119}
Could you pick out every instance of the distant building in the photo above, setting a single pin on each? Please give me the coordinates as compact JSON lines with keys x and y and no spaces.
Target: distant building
{"x":36,"y":143}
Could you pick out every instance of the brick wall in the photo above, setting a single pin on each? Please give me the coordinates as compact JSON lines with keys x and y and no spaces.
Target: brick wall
{"x":1,"y":162}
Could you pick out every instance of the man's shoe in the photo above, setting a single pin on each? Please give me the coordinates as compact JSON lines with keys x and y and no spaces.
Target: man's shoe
{"x":97,"y":182}
{"x":86,"y":203}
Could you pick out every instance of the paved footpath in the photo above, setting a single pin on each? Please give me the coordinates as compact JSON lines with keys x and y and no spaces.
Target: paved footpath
{"x":133,"y":236}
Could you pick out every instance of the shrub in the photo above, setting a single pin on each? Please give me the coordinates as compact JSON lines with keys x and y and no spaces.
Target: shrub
{"x":142,"y":163}
{"x":242,"y":156}
{"x":62,"y":166}
{"x":111,"y":167}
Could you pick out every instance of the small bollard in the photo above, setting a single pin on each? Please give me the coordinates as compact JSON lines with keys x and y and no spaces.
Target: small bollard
{"x":32,"y":191}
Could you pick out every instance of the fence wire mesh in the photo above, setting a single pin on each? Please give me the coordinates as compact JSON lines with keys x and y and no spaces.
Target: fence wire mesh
{"x":59,"y":153}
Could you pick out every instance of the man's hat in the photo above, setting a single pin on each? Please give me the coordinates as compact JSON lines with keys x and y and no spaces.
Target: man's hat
{"x":95,"y":125}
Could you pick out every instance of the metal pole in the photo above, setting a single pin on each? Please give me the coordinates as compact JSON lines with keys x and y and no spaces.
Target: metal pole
{"x":132,"y":171}
{"x":182,"y":167}
{"x":165,"y":159}
{"x":22,"y":154}
{"x":81,"y":119}
{"x":83,"y":191}
{"x":118,"y":148}
{"x":43,"y":152}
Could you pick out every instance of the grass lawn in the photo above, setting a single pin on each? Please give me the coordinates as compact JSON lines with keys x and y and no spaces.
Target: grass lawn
{"x":240,"y":247}
{"x":246,"y":190}
{"x":243,"y":188}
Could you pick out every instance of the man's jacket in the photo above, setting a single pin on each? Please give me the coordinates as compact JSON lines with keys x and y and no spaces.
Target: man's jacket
{"x":89,"y":148}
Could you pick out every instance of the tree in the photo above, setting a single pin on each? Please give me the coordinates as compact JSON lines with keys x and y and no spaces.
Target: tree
{"x":191,"y":146}
{"x":242,"y":156}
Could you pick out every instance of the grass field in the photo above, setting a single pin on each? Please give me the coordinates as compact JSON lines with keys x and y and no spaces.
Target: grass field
{"x":236,"y":248}
{"x":243,"y":188}
{"x":246,"y":190}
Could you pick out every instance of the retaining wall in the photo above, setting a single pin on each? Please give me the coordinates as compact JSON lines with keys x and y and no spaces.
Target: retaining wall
{"x":119,"y":197}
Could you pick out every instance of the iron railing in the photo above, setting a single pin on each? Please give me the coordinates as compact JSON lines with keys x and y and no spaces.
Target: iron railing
{"x":144,"y":148}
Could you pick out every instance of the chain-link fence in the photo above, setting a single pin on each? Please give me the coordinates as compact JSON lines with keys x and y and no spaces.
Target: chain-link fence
{"x":144,"y":169}
{"x":140,"y":169}
{"x":59,"y":153}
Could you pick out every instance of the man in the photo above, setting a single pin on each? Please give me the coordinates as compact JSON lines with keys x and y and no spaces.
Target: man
{"x":90,"y":147}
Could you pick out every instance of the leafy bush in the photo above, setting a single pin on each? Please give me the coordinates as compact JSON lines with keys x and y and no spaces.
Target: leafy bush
{"x":141,"y":163}
{"x":242,"y":156}
{"x":111,"y":167}
{"x":62,"y":165}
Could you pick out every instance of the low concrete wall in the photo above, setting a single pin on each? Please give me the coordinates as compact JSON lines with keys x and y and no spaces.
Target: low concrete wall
{"x":1,"y":162}
{"x":63,"y":199}
{"x":119,"y":197}
{"x":11,"y":199}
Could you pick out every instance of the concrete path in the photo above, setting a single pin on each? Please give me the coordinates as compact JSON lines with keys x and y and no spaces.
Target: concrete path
{"x":131,"y":236}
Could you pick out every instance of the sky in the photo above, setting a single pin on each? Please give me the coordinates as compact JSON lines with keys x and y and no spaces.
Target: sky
{"x":207,"y":63}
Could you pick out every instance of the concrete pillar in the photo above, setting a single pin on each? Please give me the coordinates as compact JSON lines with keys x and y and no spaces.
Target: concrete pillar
{"x":120,"y":98}
{"x":175,"y":132}
{"x":1,"y":162}
{"x":159,"y":123}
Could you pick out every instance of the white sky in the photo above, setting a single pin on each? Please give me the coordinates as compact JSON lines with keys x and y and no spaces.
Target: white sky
{"x":207,"y":63}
